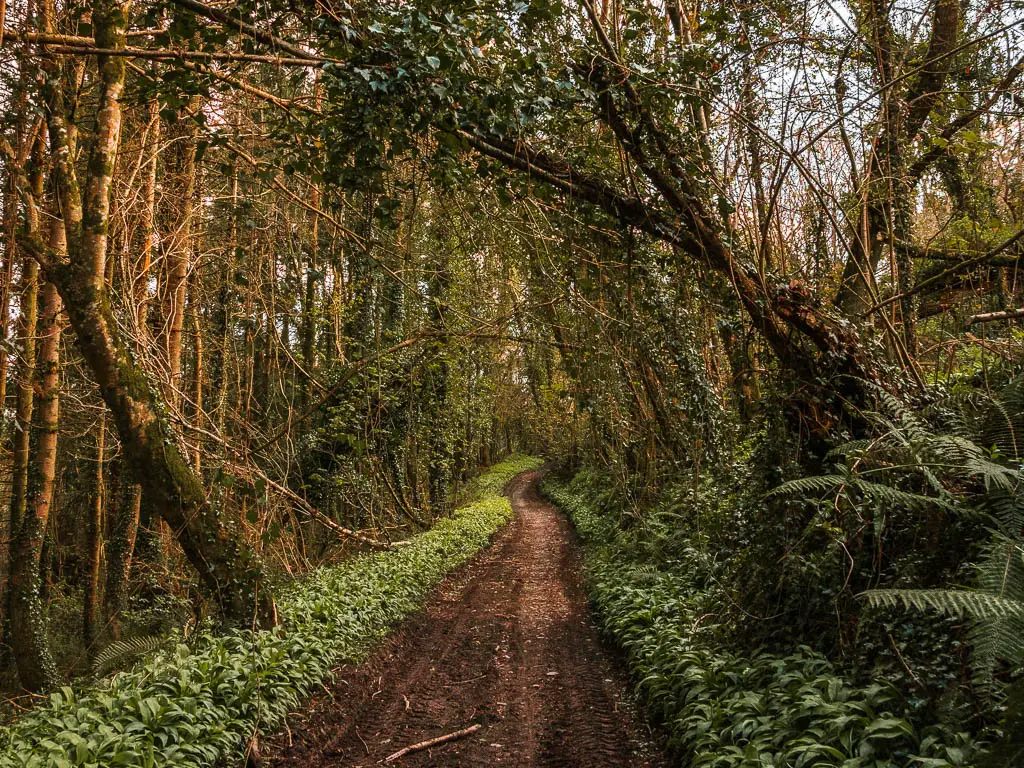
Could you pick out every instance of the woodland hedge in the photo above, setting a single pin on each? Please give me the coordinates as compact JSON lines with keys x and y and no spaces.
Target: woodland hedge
{"x":202,"y":701}
{"x":725,"y":707}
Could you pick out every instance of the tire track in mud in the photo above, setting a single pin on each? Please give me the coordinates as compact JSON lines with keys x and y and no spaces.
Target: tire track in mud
{"x":507,"y":642}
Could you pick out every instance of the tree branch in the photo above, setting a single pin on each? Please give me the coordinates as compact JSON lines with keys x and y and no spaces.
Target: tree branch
{"x":235,"y":23}
{"x":164,"y":54}
{"x":989,"y":317}
{"x":956,"y":269}
{"x":924,"y":162}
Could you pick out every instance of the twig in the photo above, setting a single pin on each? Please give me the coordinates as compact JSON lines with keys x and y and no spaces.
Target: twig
{"x":432,"y":743}
{"x":167,"y":54}
{"x":904,"y":663}
{"x":470,"y":680}
{"x":358,"y":736}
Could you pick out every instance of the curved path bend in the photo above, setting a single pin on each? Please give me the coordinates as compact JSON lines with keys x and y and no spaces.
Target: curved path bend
{"x":507,"y":642}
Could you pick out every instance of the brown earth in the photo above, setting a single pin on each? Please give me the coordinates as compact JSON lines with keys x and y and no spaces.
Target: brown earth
{"x":507,"y":642}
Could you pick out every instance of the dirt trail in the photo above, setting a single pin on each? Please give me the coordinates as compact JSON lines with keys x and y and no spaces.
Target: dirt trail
{"x":507,"y":642}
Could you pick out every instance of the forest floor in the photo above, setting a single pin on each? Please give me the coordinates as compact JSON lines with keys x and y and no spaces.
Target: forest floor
{"x":507,"y":642}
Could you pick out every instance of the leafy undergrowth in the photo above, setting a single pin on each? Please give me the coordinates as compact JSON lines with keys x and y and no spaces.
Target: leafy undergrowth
{"x":493,"y":481}
{"x":726,"y":709}
{"x":200,"y":703}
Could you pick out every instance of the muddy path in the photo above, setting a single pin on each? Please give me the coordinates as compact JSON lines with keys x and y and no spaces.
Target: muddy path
{"x":507,"y":642}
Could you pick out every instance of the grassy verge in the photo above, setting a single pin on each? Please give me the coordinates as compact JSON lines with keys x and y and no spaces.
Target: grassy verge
{"x":723,"y":708}
{"x":201,"y":702}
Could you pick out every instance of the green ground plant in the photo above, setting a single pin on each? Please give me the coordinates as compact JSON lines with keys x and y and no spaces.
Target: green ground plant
{"x":728,"y":707}
{"x":201,"y":702}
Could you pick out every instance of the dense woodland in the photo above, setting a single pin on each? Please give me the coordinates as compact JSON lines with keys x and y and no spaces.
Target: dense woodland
{"x":278,"y":278}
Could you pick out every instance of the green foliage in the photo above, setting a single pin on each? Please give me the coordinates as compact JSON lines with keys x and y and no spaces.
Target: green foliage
{"x":200,"y":702}
{"x":724,"y":708}
{"x":493,"y":481}
{"x":912,"y":468}
{"x":996,"y":607}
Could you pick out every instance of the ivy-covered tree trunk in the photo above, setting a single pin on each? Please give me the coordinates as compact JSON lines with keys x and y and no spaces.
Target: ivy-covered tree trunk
{"x":439,"y":449}
{"x":120,"y":547}
{"x":25,"y":338}
{"x":29,"y":640}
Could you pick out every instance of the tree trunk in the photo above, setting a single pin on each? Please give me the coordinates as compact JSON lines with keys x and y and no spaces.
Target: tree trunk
{"x":94,"y":548}
{"x":225,"y":314}
{"x":120,"y":551}
{"x":29,"y":641}
{"x":197,"y":386}
{"x":10,"y":223}
{"x":25,"y":338}
{"x":178,"y":255}
{"x":141,"y":277}
{"x":309,"y":308}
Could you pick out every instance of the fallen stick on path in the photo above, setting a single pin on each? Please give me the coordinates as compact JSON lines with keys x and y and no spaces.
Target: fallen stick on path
{"x":433,"y":742}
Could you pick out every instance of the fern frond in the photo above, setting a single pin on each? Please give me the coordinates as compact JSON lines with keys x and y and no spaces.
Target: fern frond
{"x":805,"y":486}
{"x":1001,"y":570}
{"x":853,"y":447}
{"x":897,"y":498}
{"x":1006,"y":510}
{"x":952,"y":449}
{"x":959,"y":603}
{"x":122,"y":653}
{"x":993,"y":641}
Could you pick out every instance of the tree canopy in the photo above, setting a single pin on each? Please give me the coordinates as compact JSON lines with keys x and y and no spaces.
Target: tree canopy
{"x":279,"y":277}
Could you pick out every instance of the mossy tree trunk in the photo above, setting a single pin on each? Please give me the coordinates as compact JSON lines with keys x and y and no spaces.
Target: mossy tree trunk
{"x":29,"y":642}
{"x":25,"y":339}
{"x":121,"y":549}
{"x":94,"y":546}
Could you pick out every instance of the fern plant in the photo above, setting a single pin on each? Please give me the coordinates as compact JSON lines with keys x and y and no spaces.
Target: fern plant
{"x":910,"y":465}
{"x":995,"y":607}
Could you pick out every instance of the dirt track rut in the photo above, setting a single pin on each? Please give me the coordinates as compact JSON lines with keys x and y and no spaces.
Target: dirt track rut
{"x":507,"y":642}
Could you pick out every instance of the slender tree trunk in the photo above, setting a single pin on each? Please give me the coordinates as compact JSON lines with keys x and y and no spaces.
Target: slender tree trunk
{"x":142,"y":272}
{"x":94,"y":547}
{"x":197,"y":385}
{"x":178,"y":255}
{"x":309,"y":308}
{"x":10,"y":223}
{"x":25,"y":338}
{"x":223,"y":365}
{"x":29,"y":641}
{"x":439,"y":449}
